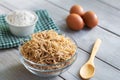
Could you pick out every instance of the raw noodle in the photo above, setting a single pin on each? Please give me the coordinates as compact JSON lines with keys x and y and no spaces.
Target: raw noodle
{"x":48,"y":47}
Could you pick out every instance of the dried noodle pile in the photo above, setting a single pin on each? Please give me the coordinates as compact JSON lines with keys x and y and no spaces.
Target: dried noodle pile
{"x":47,"y":47}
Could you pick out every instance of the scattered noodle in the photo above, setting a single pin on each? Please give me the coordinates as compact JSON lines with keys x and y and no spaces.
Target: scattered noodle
{"x":47,"y":47}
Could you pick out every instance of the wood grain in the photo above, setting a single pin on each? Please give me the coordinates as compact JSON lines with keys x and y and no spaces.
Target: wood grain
{"x":107,"y":59}
{"x":112,"y":3}
{"x":108,"y":16}
{"x":109,"y":49}
{"x":102,"y":70}
{"x":68,"y":76}
{"x":12,"y":69}
{"x":54,"y":11}
{"x":3,"y":10}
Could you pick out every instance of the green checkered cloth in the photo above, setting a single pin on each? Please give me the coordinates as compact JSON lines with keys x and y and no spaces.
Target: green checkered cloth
{"x":7,"y":40}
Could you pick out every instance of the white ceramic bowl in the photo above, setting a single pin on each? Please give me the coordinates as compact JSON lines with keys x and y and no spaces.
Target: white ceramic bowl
{"x":21,"y":30}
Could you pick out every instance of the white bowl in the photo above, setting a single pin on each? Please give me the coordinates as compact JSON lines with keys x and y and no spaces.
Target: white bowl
{"x":22,"y":30}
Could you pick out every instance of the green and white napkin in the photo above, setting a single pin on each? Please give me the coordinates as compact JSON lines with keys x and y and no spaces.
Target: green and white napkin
{"x":7,"y":40}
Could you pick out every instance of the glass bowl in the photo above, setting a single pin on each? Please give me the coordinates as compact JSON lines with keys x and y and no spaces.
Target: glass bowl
{"x":45,"y":70}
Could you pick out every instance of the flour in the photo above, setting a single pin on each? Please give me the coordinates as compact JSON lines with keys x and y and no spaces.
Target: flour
{"x":21,"y":18}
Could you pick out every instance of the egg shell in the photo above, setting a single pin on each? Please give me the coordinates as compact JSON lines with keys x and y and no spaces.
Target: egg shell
{"x":77,"y":9}
{"x":75,"y":22}
{"x":90,"y":19}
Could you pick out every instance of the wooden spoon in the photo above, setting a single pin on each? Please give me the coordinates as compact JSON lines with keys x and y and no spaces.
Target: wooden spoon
{"x":88,"y":69}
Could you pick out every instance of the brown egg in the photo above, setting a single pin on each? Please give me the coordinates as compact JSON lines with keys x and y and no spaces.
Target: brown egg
{"x":90,"y":19}
{"x":75,"y":22}
{"x":77,"y":9}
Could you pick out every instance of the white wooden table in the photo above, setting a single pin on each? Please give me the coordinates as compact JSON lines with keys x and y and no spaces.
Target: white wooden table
{"x":107,"y":60}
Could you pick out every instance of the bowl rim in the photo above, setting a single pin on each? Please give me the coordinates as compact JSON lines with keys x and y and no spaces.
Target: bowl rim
{"x":20,"y":54}
{"x":49,"y":70}
{"x":44,"y":64}
{"x":36,"y":19}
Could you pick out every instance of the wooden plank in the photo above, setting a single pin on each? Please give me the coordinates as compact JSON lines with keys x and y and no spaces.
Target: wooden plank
{"x":84,"y":34}
{"x":68,"y":76}
{"x":108,"y":16}
{"x":3,"y":10}
{"x":102,"y":71}
{"x":109,"y":50}
{"x":12,"y":69}
{"x":113,"y":3}
{"x":36,"y":5}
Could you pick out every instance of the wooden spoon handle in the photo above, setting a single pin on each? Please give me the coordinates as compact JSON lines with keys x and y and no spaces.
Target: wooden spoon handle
{"x":95,"y":49}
